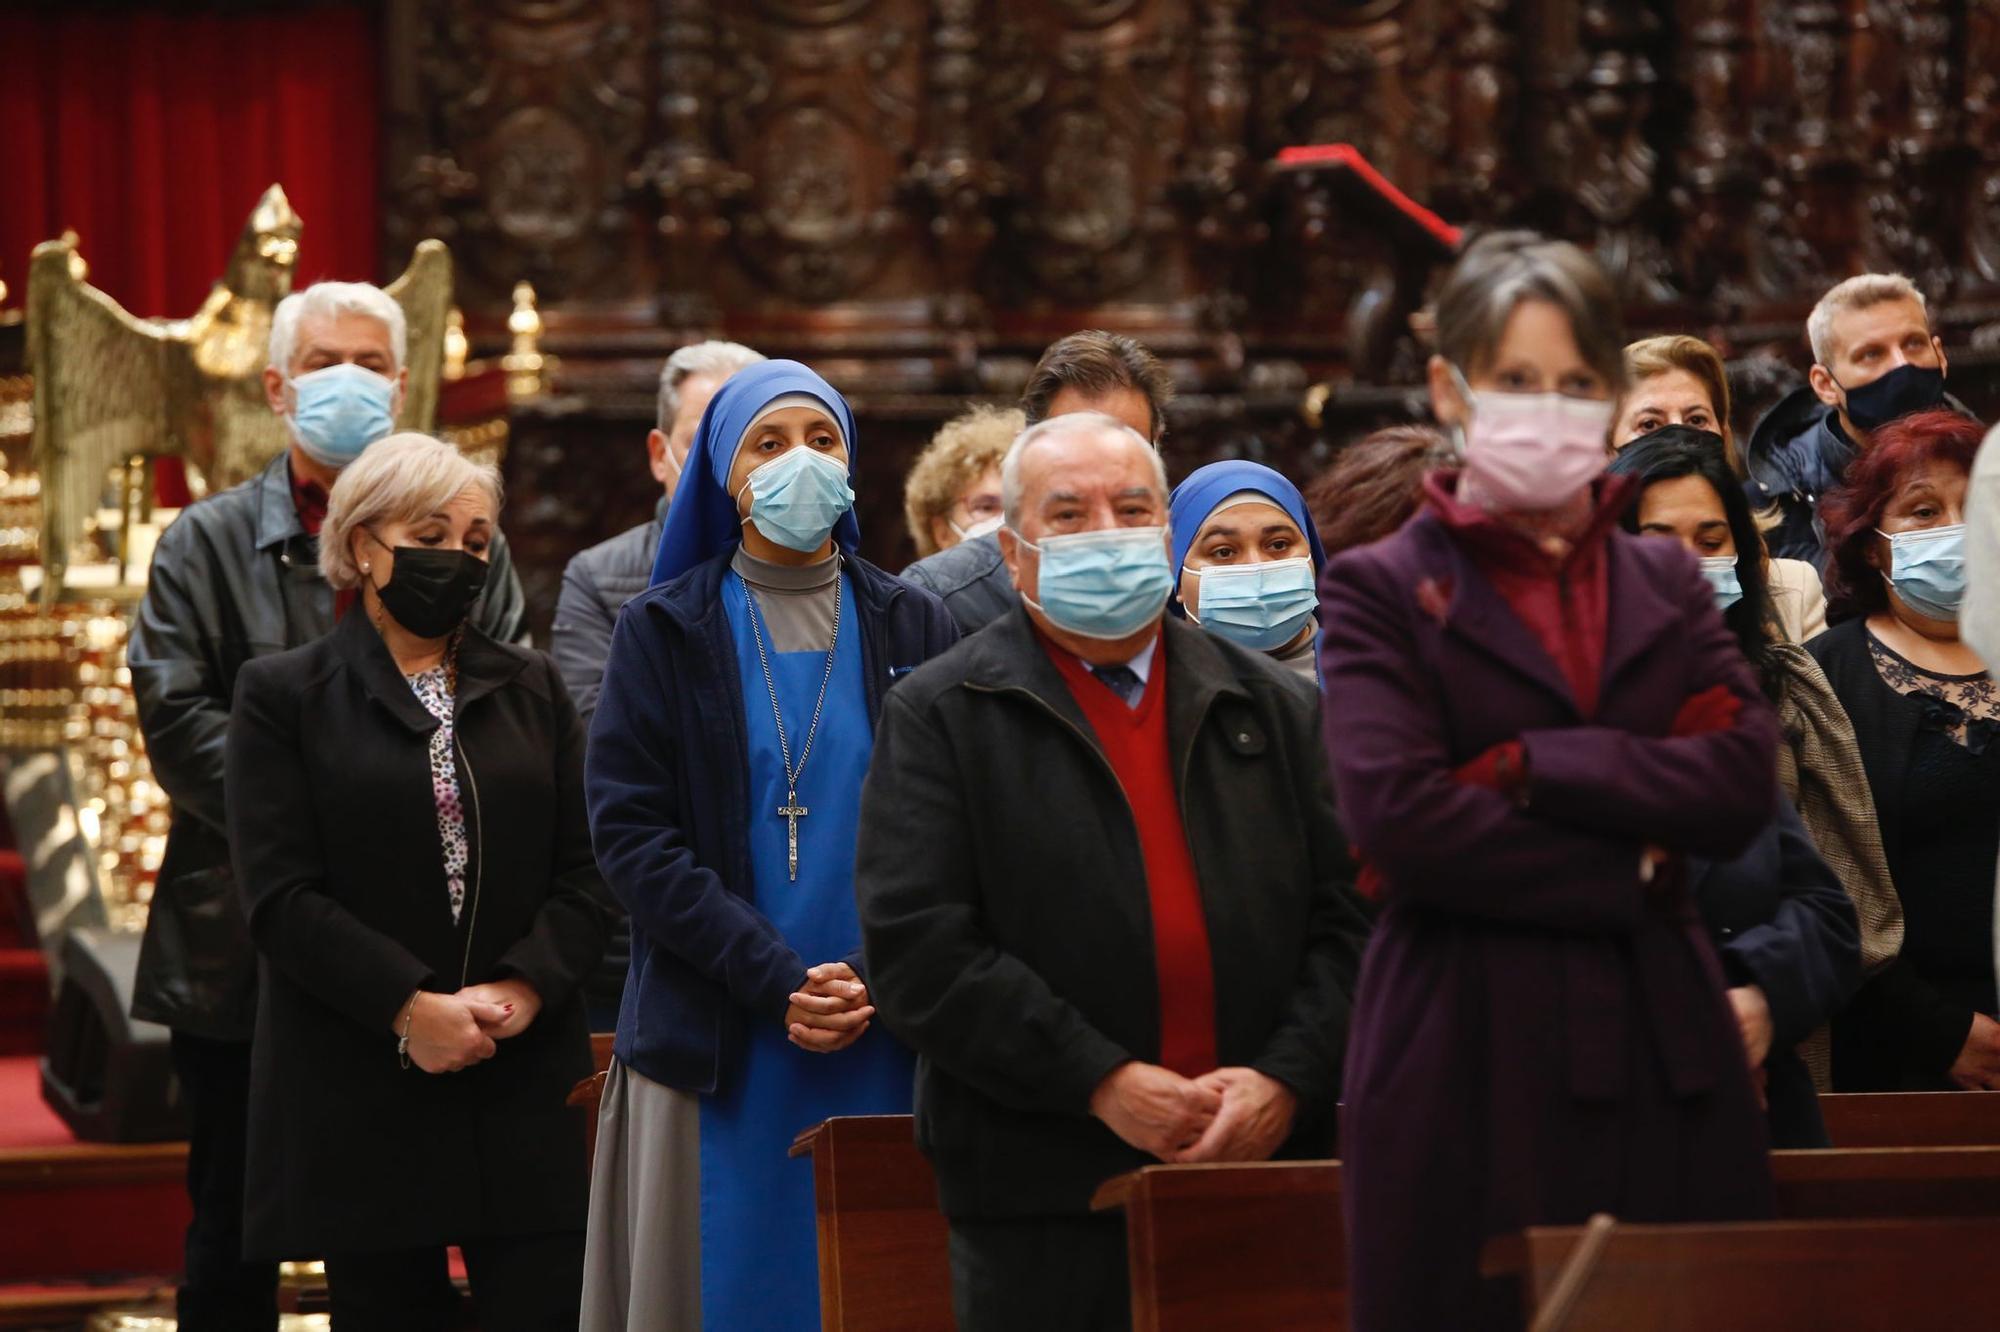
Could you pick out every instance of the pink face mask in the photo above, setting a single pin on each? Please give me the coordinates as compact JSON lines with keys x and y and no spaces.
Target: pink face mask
{"x":1532,"y":452}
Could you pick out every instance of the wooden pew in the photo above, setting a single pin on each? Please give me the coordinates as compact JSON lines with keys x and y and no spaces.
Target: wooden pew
{"x":589,"y":1094}
{"x":1256,"y":1245}
{"x":884,"y":1262}
{"x":1264,"y":1243}
{"x":1830,"y":1276}
{"x":1888,"y":1182}
{"x":1912,"y":1119}
{"x":1248,"y":1245}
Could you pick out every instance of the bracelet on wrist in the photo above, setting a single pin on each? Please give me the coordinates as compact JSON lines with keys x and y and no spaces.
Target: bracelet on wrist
{"x":409,"y":1016}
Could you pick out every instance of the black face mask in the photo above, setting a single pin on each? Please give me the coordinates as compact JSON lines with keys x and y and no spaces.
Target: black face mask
{"x":1906,"y":389}
{"x":431,"y":591}
{"x":1682,"y":434}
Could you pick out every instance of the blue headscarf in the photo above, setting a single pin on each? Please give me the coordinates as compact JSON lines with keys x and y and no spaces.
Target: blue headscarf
{"x":1195,"y":499}
{"x":702,"y":522}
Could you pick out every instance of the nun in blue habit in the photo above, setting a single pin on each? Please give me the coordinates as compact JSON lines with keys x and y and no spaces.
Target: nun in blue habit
{"x":724,"y":780}
{"x":1248,"y":559}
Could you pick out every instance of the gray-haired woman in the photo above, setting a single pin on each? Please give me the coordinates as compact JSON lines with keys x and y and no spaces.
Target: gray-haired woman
{"x":406,"y":816}
{"x":1534,"y":720}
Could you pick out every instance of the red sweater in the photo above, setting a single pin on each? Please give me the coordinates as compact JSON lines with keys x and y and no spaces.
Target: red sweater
{"x":309,"y":498}
{"x":1565,"y":603}
{"x":1134,"y":741}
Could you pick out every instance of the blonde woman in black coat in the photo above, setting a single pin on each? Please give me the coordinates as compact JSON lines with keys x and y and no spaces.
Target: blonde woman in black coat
{"x":406,"y":816}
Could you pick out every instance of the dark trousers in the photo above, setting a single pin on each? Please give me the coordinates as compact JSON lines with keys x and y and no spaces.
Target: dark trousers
{"x":1049,"y":1274}
{"x":221,"y":1292}
{"x":520,"y":1283}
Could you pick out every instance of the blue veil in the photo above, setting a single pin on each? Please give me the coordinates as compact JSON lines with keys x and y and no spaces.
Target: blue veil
{"x":1195,"y":498}
{"x":702,"y":522}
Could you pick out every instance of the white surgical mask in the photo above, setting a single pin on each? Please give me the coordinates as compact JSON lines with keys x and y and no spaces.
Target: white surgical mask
{"x":978,"y":529}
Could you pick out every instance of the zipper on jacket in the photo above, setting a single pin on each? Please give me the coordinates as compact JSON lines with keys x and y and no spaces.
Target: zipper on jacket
{"x":479,"y":867}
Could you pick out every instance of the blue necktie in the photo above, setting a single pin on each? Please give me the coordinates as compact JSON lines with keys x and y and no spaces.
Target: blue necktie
{"x":1122,"y":681}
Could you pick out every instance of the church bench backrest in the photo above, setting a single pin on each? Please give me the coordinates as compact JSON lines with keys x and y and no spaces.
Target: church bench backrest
{"x":1912,"y":1119}
{"x":1830,"y":1276}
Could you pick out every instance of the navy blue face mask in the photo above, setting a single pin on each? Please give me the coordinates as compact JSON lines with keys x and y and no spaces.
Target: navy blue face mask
{"x":1904,"y":390}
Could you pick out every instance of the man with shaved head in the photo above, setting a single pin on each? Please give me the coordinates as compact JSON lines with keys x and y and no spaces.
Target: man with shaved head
{"x":1103,"y":892}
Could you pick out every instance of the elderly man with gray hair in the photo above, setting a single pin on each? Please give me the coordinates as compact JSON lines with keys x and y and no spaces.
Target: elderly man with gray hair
{"x":237,"y":577}
{"x":1103,"y":892}
{"x":599,"y":581}
{"x":1875,"y":359}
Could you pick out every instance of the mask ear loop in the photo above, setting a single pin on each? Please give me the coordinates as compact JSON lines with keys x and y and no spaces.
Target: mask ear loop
{"x":1456,"y":430}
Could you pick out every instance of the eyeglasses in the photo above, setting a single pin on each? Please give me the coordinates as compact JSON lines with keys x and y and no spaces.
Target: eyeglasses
{"x":300,"y":553}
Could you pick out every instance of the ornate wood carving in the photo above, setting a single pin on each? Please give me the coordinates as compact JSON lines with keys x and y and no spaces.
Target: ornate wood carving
{"x":917,"y":195}
{"x":693,"y":184}
{"x":1982,"y":128}
{"x":954,"y":180}
{"x":514,"y":128}
{"x":1716,"y":188}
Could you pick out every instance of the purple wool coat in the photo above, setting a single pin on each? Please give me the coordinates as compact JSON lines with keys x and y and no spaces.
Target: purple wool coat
{"x":1538,"y":1034}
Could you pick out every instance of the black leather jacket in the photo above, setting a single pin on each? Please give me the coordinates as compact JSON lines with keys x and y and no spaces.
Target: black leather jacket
{"x":234,"y":578}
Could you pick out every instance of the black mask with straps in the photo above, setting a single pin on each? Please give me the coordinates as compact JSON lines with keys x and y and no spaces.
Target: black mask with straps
{"x":430,"y":592}
{"x":1904,"y":390}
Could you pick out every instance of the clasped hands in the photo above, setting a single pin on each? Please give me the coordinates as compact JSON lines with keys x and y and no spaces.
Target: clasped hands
{"x":1231,"y":1114}
{"x":830,"y":1011}
{"x":449,"y":1032}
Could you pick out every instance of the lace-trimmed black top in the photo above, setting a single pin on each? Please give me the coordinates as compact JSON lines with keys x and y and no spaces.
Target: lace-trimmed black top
{"x":1950,"y":815}
{"x":1964,"y":707}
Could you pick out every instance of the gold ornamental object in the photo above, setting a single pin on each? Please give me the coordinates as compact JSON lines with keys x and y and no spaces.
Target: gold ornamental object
{"x":110,"y":386}
{"x":524,"y":362}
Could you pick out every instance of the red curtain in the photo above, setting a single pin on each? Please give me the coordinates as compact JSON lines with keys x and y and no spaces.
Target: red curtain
{"x":151,"y":135}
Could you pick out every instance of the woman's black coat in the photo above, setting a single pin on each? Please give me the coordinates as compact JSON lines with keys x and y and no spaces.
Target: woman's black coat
{"x":334,"y":832}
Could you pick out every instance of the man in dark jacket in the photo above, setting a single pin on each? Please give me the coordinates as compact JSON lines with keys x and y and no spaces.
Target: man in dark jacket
{"x":235,"y":578}
{"x":599,"y":581}
{"x":1090,"y":371}
{"x":1874,"y":359}
{"x":1103,"y":893}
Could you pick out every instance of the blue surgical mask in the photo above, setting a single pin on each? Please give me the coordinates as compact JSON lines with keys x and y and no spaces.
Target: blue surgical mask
{"x":1720,"y":571}
{"x":340,"y":411}
{"x":1261,"y":606}
{"x":1927,"y":569}
{"x":1106,"y":585}
{"x":798,"y":496}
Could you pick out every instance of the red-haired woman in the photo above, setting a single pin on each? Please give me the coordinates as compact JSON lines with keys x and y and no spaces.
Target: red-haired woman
{"x":1928,"y":721}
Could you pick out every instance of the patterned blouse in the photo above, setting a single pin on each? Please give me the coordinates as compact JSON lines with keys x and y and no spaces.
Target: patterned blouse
{"x":1964,"y":707}
{"x":433,"y":690}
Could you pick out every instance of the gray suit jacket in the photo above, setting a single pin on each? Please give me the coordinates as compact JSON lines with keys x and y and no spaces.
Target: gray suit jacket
{"x":595,"y":587}
{"x":972,"y":581}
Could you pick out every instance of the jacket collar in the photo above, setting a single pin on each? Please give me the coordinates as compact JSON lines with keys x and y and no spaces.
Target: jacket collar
{"x":1458,"y":593}
{"x":1637,"y":615}
{"x":695,"y":598}
{"x":1480,"y":530}
{"x":1008,"y":657}
{"x":277,"y":516}
{"x":483,"y":666}
{"x":1797,"y":447}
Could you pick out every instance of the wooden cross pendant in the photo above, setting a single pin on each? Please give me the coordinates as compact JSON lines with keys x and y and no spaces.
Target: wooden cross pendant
{"x":791,"y":812}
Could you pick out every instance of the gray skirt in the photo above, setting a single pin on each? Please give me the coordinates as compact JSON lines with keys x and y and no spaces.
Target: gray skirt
{"x":642,"y":1258}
